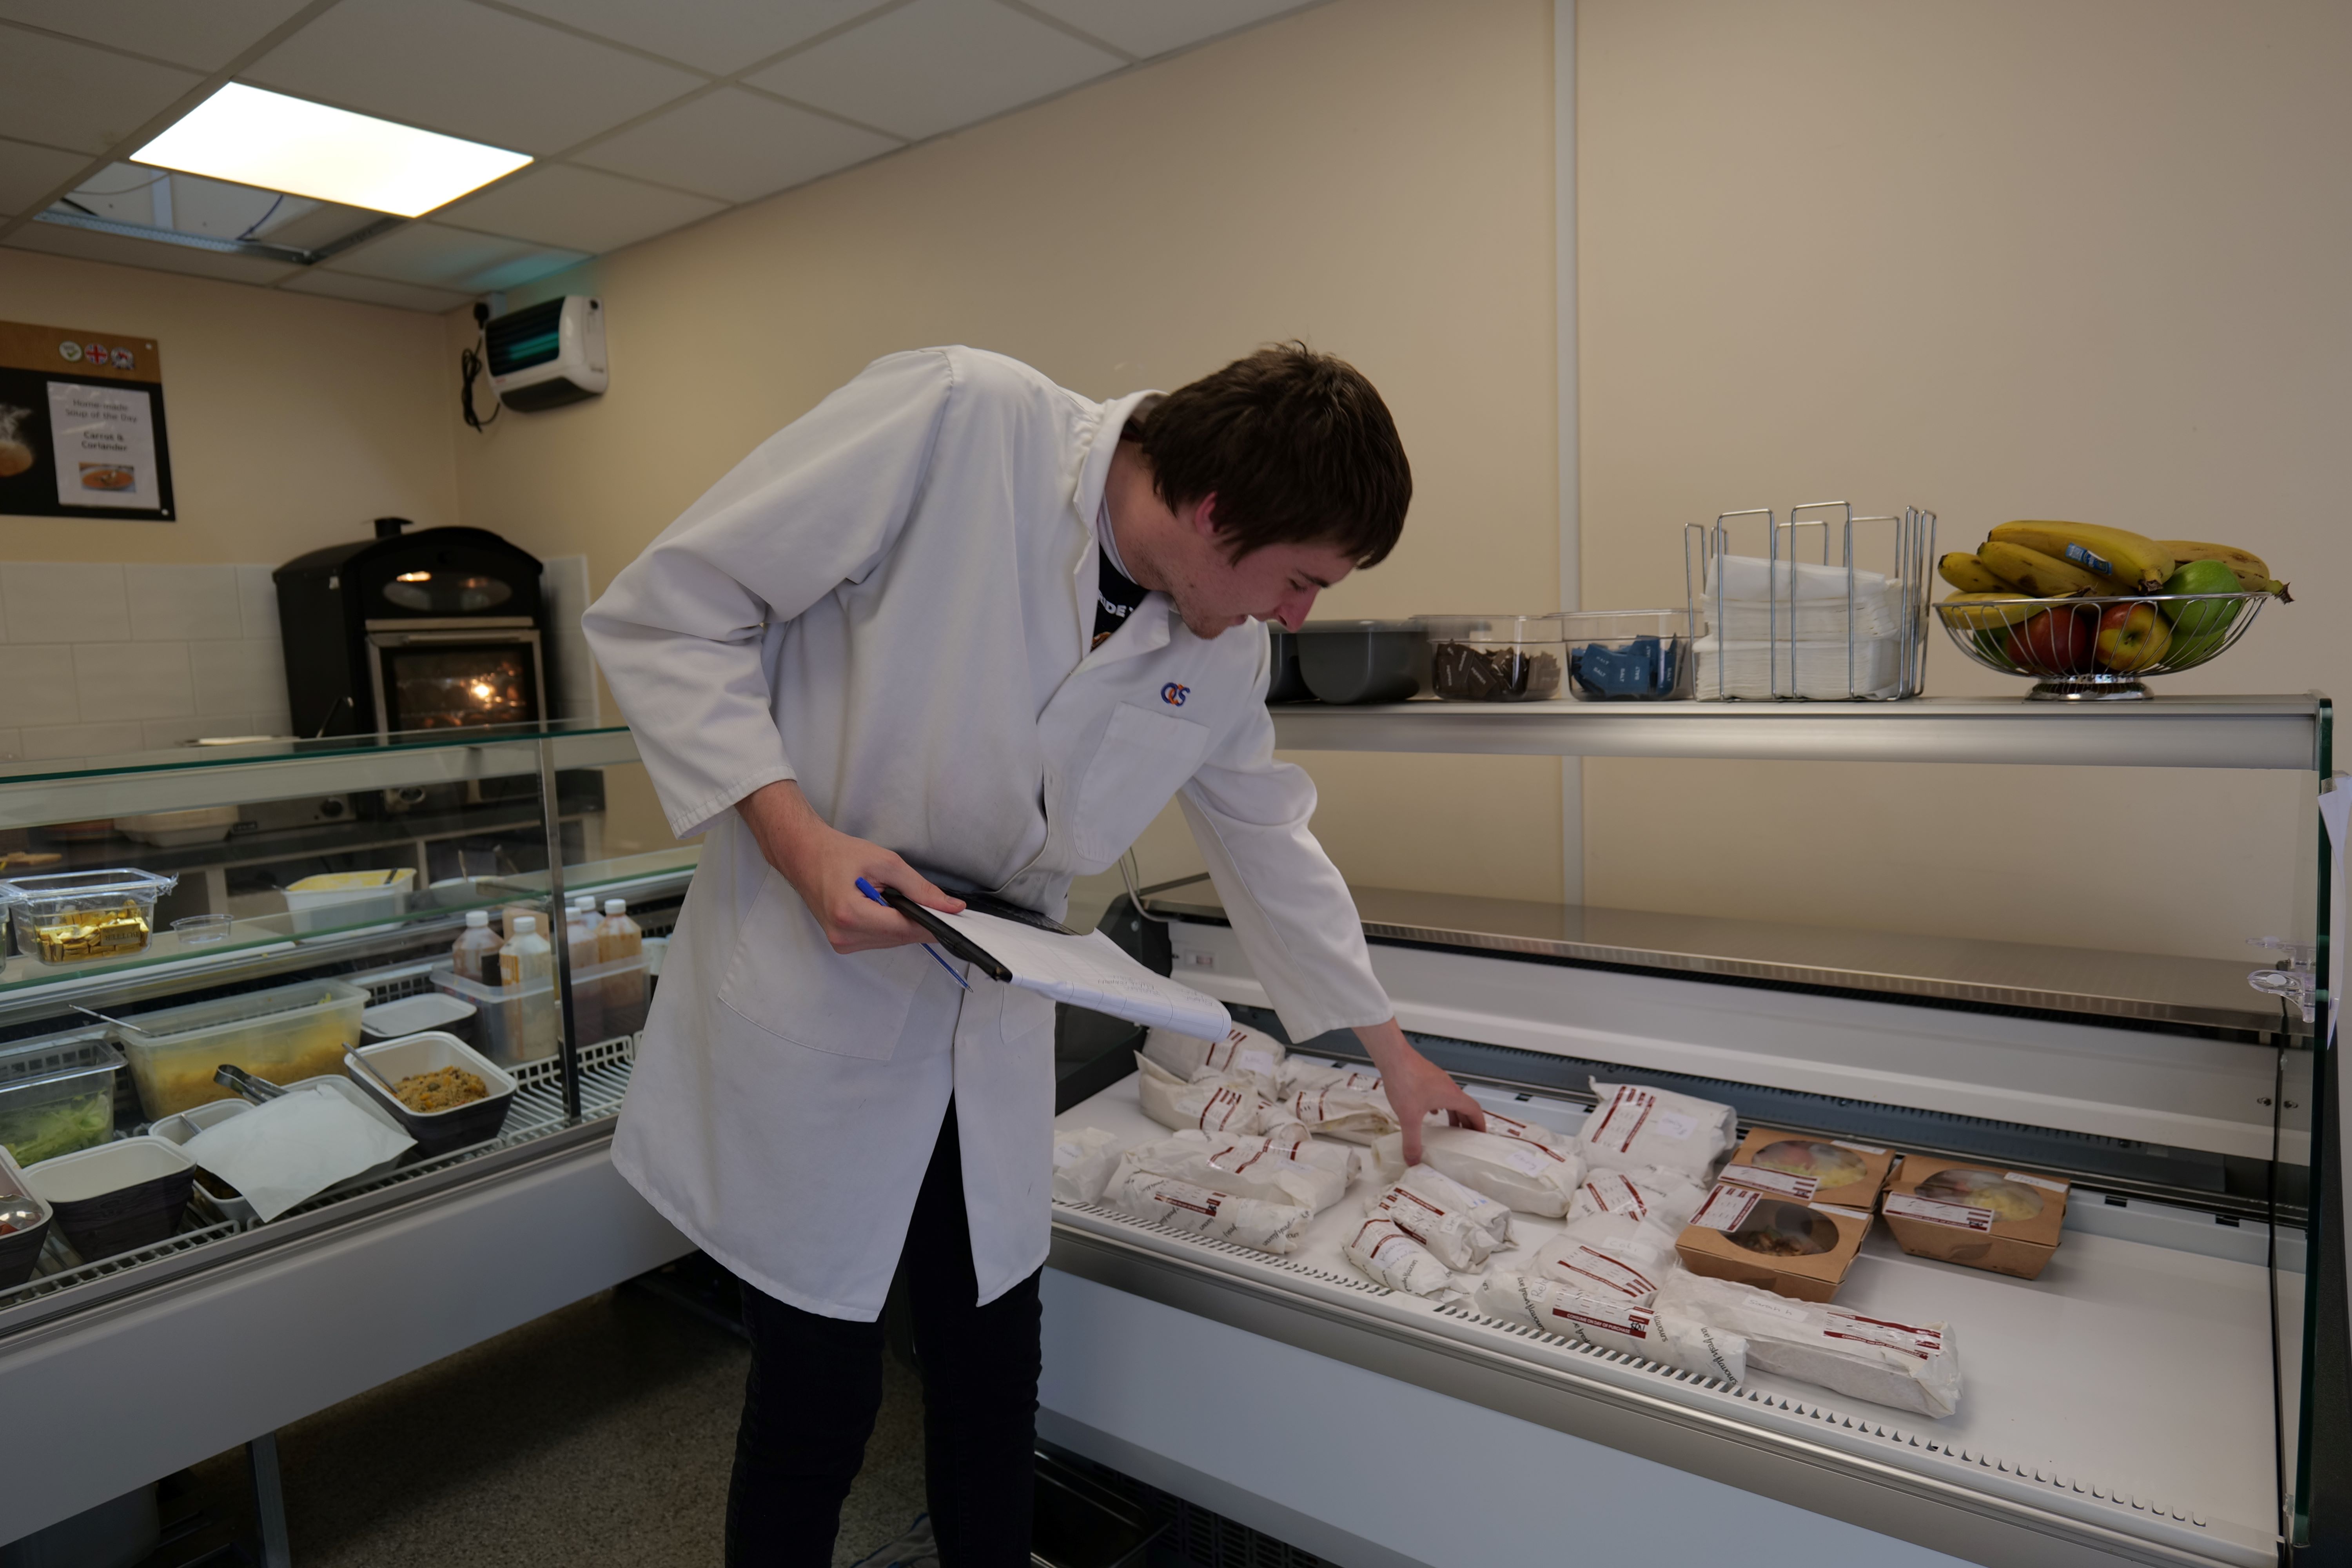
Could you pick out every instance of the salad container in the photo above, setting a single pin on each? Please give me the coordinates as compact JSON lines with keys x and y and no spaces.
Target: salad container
{"x":57,"y":1094}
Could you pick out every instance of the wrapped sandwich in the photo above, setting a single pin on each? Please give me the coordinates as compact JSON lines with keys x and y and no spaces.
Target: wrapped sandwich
{"x":1906,"y":1366}
{"x":1667,"y":1338}
{"x":1534,"y":1178}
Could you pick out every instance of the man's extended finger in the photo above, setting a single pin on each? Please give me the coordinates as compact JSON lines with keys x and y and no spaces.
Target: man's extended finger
{"x":1412,"y":1142}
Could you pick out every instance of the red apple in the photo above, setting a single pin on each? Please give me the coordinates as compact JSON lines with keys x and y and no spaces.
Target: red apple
{"x":2132,"y":637}
{"x":2057,"y":642}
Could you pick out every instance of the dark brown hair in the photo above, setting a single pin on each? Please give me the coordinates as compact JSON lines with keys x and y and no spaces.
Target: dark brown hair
{"x":1296,"y":447}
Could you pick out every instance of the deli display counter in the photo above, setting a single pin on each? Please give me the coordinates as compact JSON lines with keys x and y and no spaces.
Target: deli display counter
{"x":2168,"y":1389}
{"x":152,"y":1313}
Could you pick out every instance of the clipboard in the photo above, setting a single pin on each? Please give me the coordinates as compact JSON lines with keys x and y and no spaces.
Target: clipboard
{"x":947,"y":937}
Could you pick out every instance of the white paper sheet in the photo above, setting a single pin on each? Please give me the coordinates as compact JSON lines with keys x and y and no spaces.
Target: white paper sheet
{"x":1091,"y":970}
{"x":293,"y":1148}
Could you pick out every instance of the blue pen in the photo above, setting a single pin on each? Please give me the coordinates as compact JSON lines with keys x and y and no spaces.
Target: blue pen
{"x":875,"y":894}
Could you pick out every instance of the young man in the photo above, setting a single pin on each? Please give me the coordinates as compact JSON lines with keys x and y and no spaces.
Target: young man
{"x":958,"y":626}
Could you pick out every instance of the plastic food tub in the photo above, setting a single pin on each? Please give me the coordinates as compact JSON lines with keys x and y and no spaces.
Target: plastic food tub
{"x":348,"y":898}
{"x":1629,"y":656}
{"x":517,"y":1023}
{"x":1495,"y":659}
{"x":119,"y":1195}
{"x":57,"y":1094}
{"x":286,"y":1032}
{"x":440,"y":1132}
{"x":227,"y":1201}
{"x":433,"y":1010}
{"x":75,"y":917}
{"x":1285,"y":684}
{"x":1363,"y":661}
{"x":20,"y":1249}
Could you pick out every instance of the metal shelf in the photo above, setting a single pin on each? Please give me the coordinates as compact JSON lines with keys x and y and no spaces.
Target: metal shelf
{"x":2284,"y":732}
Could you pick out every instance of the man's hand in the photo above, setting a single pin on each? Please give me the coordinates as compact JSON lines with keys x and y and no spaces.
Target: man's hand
{"x":1416,"y":1086}
{"x":824,"y":866}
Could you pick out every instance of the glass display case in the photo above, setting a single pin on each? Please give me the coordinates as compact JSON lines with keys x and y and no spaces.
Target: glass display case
{"x":272,"y":911}
{"x":2170,"y":1389}
{"x":2167,"y":1388}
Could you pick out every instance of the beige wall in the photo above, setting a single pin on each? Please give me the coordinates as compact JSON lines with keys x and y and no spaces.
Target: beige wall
{"x":2014,"y":258}
{"x":2009,"y":258}
{"x":1373,"y":175}
{"x":294,"y":420}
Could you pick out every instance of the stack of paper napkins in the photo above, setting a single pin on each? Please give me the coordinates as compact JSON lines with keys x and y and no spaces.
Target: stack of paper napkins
{"x":1785,"y":628}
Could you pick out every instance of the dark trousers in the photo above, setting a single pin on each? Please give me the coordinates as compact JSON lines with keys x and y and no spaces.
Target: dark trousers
{"x":816,"y":1383}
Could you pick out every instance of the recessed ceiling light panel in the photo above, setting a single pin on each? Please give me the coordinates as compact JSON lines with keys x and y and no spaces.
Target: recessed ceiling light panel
{"x":281,"y":143}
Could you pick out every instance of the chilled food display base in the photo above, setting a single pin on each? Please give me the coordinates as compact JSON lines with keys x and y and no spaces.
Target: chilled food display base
{"x":537,"y":1114}
{"x":2126,"y":1390}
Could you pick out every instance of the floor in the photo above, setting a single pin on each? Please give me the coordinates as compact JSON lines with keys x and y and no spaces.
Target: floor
{"x":602,"y":1433}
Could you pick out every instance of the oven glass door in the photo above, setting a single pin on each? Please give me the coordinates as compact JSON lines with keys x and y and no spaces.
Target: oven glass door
{"x":446,"y":685}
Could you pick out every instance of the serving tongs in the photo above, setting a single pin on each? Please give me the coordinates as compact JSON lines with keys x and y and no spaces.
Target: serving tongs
{"x":259,"y":1090}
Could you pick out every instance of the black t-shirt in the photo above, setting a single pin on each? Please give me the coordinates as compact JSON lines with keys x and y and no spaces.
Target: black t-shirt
{"x":1116,"y":596}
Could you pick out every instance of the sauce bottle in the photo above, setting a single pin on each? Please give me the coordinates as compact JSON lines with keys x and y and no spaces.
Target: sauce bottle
{"x":474,"y":955}
{"x":527,"y":960}
{"x":621,"y":945}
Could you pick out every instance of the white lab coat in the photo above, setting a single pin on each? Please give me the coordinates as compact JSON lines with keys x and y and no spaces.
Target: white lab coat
{"x":890,"y":601}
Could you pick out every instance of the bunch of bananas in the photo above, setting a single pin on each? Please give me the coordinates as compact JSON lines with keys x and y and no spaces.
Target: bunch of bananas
{"x":2029,"y":561}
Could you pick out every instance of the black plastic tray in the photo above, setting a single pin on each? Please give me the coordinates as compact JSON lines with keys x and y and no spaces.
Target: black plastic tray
{"x":137,"y":1216}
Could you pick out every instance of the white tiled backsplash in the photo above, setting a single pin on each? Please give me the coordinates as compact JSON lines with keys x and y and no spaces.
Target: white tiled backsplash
{"x":98,"y":659}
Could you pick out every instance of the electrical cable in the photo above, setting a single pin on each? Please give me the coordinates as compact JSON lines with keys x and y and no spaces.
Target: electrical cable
{"x":265,"y":217}
{"x":1126,"y":874}
{"x":472,"y":362}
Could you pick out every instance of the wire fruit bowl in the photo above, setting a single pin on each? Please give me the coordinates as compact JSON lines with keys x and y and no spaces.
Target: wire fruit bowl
{"x":2098,"y":649}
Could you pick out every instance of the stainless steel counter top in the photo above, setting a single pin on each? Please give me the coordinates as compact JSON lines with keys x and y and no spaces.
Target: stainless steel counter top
{"x":2205,"y":993}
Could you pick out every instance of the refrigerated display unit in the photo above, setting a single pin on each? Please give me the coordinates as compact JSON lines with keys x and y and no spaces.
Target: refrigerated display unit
{"x":2169,"y":1391}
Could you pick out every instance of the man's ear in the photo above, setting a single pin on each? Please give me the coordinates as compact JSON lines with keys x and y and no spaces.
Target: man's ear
{"x":1203,"y":517}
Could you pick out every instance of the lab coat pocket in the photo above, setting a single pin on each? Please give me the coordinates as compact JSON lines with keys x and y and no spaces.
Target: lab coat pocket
{"x":785,"y":978}
{"x":1144,"y":759}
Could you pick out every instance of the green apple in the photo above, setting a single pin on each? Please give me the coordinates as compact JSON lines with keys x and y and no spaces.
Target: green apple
{"x":2200,"y":627}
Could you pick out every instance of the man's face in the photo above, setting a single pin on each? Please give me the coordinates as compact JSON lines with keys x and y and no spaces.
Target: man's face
{"x":1214,"y":594}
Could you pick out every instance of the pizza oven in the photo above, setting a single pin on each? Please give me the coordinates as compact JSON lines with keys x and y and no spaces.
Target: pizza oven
{"x":439,"y":628}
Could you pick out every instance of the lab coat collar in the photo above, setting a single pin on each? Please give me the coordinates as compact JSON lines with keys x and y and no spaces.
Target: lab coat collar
{"x":1085,"y":502}
{"x":1093,"y":473}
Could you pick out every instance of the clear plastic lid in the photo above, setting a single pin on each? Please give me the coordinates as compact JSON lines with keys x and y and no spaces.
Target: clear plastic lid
{"x":1491,"y":628}
{"x":1316,"y":628}
{"x":1612,"y":626}
{"x":63,"y":886}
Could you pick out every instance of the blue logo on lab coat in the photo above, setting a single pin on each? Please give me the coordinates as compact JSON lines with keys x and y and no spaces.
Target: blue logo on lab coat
{"x":1174,"y":695}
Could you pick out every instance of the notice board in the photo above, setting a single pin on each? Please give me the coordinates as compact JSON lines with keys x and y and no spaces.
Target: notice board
{"x":82,"y":426}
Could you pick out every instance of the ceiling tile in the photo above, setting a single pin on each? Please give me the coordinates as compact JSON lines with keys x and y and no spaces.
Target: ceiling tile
{"x":155,"y":255}
{"x":737,"y":146}
{"x":429,"y":254}
{"x":70,"y":95}
{"x":935,"y":64}
{"x":719,"y":35}
{"x":580,"y":208}
{"x":468,"y":71}
{"x":373,"y":291}
{"x":1154,"y":27}
{"x":206,"y":35}
{"x":28,"y":173}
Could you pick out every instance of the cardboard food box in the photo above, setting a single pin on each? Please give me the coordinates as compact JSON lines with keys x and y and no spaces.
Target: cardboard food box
{"x":1981,"y":1216}
{"x":1812,"y":1170}
{"x":1757,"y":1237}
